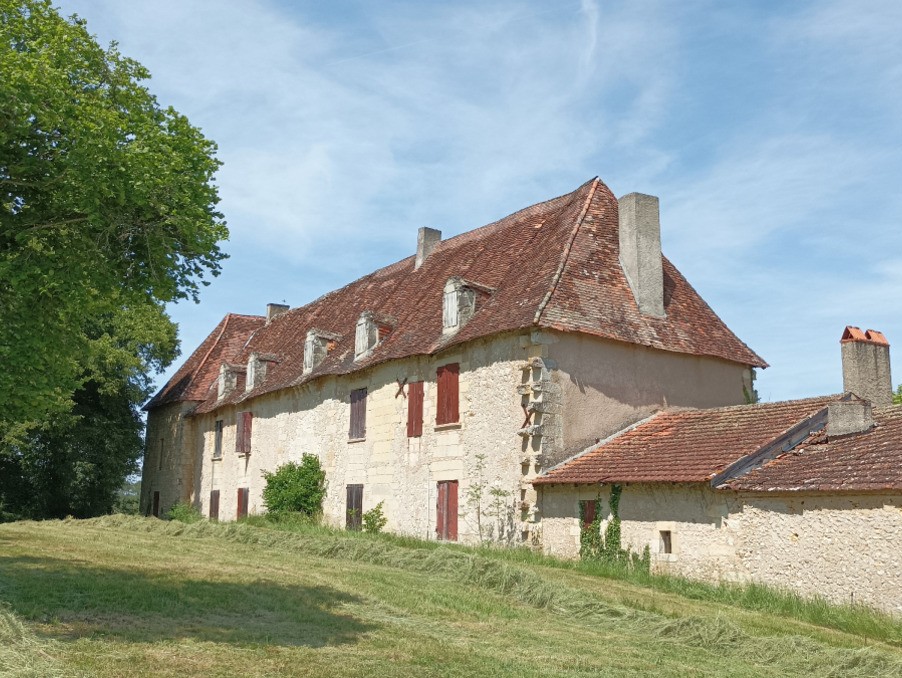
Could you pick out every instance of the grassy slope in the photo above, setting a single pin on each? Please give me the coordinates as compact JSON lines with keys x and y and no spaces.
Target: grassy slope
{"x":134,"y":597}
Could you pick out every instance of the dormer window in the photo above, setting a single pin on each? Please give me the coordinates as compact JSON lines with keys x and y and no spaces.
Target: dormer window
{"x":372,"y":329}
{"x":317,"y":347}
{"x":459,"y":303}
{"x":257,"y":364}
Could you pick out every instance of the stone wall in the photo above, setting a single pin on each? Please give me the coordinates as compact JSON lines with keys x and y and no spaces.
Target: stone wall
{"x":169,"y":457}
{"x":844,"y":548}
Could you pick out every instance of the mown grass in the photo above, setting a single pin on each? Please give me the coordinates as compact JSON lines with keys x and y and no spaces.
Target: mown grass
{"x":121,"y":596}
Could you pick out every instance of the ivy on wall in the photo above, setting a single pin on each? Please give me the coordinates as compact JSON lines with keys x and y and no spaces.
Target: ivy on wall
{"x":607,"y":548}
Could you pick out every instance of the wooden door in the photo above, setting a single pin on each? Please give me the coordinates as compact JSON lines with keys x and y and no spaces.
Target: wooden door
{"x":243,"y":500}
{"x":354,"y":511}
{"x":214,"y":505}
{"x":156,"y":504}
{"x":446,"y":510}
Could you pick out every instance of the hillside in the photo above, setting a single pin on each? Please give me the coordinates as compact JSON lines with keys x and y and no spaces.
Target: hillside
{"x":123,"y":596}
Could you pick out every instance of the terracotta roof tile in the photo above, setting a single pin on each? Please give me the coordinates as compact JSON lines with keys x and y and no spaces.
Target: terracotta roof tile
{"x":864,"y":462}
{"x":553,"y":265}
{"x":194,"y":378}
{"x":684,"y":446}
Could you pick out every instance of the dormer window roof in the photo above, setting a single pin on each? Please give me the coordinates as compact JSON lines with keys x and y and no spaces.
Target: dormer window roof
{"x":459,"y":302}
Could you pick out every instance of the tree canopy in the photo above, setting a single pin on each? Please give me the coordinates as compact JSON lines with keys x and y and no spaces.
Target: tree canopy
{"x":107,"y":212}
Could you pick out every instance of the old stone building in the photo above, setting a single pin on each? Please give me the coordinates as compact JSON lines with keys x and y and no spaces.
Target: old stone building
{"x":803,"y":495}
{"x":445,"y":383}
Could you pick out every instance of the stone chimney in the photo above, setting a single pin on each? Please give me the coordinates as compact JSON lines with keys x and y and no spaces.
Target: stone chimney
{"x":865,"y":365}
{"x":272,"y":310}
{"x":640,"y":251}
{"x":849,"y":416}
{"x":427,"y":239}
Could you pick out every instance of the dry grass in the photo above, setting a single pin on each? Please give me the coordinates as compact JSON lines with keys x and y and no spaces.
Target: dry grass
{"x":132,"y":597}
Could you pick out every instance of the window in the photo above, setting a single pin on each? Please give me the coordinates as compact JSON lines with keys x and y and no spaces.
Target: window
{"x":214,"y":505}
{"x":415,"y":409}
{"x":243,"y":433}
{"x":357,"y":430}
{"x":217,"y":439}
{"x":244,"y":494}
{"x":446,"y":511}
{"x":450,"y":306}
{"x":666,"y":545}
{"x":156,"y":505}
{"x":354,"y":510}
{"x":447,"y":406}
{"x":366,"y":335}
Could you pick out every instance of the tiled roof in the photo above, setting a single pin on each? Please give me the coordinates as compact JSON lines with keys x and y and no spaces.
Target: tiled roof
{"x":553,"y":265}
{"x":684,"y":446}
{"x":195,"y":377}
{"x":863,"y":462}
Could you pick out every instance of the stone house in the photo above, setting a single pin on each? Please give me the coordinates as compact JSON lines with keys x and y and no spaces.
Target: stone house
{"x":445,"y":383}
{"x":803,"y":495}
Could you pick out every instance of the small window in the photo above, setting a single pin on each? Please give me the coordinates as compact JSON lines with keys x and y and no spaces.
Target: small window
{"x":415,"y":409}
{"x":447,"y":409}
{"x":217,"y":439}
{"x":666,"y":545}
{"x":156,"y":505}
{"x":357,"y":429}
{"x":161,"y":455}
{"x":244,"y":494}
{"x":243,"y":432}
{"x":354,"y":510}
{"x":214,"y":505}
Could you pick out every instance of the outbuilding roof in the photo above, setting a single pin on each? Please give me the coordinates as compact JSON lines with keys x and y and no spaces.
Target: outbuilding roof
{"x":553,"y":265}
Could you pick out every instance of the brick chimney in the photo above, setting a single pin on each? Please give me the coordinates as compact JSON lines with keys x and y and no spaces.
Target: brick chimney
{"x":865,"y":365}
{"x":427,"y":239}
{"x":640,"y":251}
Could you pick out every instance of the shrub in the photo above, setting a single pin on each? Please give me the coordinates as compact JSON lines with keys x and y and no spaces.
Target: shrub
{"x":184,"y":512}
{"x":374,"y":520}
{"x":296,"y":488}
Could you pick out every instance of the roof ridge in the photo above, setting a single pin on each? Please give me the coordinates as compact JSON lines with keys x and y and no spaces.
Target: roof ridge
{"x":753,"y":406}
{"x":566,"y":254}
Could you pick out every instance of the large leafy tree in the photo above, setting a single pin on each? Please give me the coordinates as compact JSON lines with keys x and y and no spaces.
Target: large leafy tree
{"x":107,"y":212}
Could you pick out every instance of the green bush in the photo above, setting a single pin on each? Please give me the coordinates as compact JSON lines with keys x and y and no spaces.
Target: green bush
{"x":184,"y":512}
{"x":374,"y":520}
{"x":296,"y":488}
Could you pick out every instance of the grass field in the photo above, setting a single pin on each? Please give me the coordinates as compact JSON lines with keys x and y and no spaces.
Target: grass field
{"x":121,"y":596}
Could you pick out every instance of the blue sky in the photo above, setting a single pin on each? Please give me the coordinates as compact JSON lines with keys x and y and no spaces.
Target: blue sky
{"x":771,"y":131}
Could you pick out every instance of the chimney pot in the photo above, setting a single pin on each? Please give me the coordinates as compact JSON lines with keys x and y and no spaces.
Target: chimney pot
{"x":427,"y":239}
{"x":640,"y":251}
{"x":866,"y":366}
{"x":272,"y":310}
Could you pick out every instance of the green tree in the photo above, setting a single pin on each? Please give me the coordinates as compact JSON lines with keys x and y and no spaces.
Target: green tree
{"x":897,"y":396}
{"x":107,"y":213}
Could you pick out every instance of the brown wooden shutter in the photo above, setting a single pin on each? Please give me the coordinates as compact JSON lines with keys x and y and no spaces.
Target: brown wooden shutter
{"x":588,"y":513}
{"x":415,"y":409}
{"x":214,"y":505}
{"x":446,"y":510}
{"x":156,"y":505}
{"x":447,"y":409}
{"x":243,"y":500}
{"x":357,"y":429}
{"x":354,"y":510}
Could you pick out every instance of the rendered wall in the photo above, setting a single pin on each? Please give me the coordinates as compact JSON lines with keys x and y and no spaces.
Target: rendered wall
{"x":845,"y":548}
{"x":602,"y":386}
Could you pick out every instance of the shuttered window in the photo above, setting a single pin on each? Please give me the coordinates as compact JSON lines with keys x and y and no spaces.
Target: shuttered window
{"x":415,"y":409}
{"x":244,"y":494}
{"x":243,"y":434}
{"x":214,"y":505}
{"x":357,"y":429}
{"x":217,"y":439}
{"x":446,"y":511}
{"x":354,"y":510}
{"x":447,"y":402}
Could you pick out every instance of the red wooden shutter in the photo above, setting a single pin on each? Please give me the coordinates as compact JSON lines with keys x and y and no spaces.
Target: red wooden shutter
{"x":447,"y":409}
{"x":357,"y":429}
{"x":214,"y":505}
{"x":243,"y":432}
{"x":156,"y":504}
{"x":446,"y":510}
{"x":415,"y":409}
{"x":588,"y":512}
{"x":243,"y":498}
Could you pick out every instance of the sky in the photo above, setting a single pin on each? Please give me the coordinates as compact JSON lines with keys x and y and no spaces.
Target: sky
{"x":770,"y":131}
